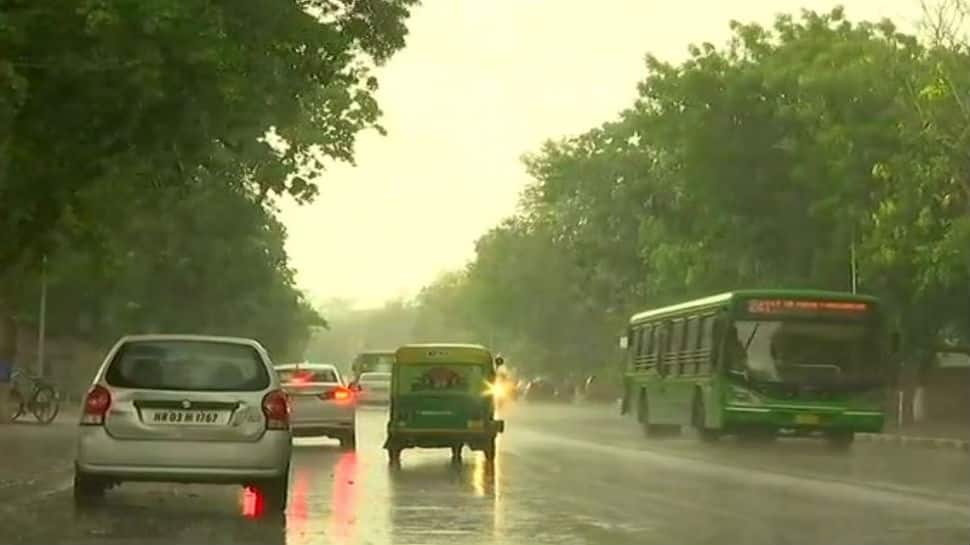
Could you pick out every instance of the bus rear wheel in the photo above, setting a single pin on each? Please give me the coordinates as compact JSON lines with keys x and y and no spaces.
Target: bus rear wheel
{"x":643,"y":416}
{"x":699,"y":421}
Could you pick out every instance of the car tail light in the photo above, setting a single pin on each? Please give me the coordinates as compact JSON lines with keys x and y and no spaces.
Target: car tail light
{"x":96,"y":405}
{"x":276,"y":407}
{"x":339,"y":394}
{"x":342,"y":394}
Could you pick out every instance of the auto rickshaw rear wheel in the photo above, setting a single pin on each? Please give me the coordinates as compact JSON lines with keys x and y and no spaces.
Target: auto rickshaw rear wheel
{"x":394,"y":455}
{"x":489,"y":449}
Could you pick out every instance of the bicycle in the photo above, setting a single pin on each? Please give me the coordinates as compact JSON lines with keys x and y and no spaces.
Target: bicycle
{"x":43,"y":400}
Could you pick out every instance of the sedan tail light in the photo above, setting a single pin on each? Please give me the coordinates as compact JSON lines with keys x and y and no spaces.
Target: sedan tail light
{"x":339,"y":394}
{"x":276,"y":407}
{"x":96,"y":405}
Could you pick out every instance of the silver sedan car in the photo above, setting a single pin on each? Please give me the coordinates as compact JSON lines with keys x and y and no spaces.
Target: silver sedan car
{"x":185,"y":409}
{"x":322,"y":404}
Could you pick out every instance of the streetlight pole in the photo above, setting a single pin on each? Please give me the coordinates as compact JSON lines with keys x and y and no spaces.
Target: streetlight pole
{"x":853,"y":264}
{"x":42,"y":327}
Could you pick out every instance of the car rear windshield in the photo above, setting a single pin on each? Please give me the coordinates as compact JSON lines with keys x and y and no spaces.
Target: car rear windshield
{"x":188,"y":365}
{"x":298,"y":376}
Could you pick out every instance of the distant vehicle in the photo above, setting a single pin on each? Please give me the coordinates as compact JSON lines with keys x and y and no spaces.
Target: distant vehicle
{"x":440,"y":398}
{"x":372,"y":361}
{"x":373,"y":388}
{"x":541,"y":390}
{"x":596,"y":390}
{"x":185,"y":409}
{"x":322,"y":405}
{"x":760,"y":362}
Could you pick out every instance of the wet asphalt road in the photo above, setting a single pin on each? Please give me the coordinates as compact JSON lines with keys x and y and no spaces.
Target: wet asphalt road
{"x":564,"y":475}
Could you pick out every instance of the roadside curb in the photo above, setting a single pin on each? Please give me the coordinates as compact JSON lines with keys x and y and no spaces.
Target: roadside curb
{"x":916,"y":441}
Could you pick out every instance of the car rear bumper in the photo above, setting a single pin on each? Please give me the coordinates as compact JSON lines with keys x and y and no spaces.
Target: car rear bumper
{"x":182,"y":461}
{"x":492,"y":429}
{"x":329,"y":428}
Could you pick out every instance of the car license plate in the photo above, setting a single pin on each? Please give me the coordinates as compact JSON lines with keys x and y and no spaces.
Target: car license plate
{"x":809,"y":419}
{"x":180,"y":417}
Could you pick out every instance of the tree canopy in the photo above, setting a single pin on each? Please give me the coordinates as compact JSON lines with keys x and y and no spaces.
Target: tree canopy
{"x":765,"y":162}
{"x":142,"y":145}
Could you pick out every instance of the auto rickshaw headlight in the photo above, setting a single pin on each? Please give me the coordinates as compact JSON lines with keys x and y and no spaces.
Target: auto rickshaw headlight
{"x":497,"y":390}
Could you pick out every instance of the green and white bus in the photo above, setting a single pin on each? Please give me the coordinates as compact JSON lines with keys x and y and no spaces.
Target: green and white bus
{"x":760,"y":363}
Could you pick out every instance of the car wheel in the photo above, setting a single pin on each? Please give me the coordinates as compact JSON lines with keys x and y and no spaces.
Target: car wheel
{"x":349,"y":441}
{"x":275,"y":493}
{"x":88,"y":488}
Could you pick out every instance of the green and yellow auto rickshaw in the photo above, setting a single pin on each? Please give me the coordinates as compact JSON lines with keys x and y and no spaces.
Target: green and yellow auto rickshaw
{"x":442,"y":397}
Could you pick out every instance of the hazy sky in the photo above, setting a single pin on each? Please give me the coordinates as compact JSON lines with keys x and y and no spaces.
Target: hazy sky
{"x":480,"y":83}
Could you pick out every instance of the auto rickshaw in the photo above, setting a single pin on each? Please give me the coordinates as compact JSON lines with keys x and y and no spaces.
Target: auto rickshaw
{"x":442,"y":397}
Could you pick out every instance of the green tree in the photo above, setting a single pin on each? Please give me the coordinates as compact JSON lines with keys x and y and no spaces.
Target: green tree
{"x":761,"y":163}
{"x":175,"y":91}
{"x":211,"y":261}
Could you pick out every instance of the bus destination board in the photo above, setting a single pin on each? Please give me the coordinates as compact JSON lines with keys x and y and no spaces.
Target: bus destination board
{"x":808,"y":308}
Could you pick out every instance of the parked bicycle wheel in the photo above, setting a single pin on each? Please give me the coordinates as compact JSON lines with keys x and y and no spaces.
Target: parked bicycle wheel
{"x":45,"y":404}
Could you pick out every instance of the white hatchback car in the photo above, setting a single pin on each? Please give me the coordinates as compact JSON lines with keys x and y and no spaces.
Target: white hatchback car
{"x":322,"y":404}
{"x":374,"y":388}
{"x":185,"y":409}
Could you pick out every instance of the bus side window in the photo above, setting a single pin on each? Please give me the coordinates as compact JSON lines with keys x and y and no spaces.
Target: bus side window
{"x":633,"y":348}
{"x":691,"y":356}
{"x":662,"y":346}
{"x":676,"y":345}
{"x":722,"y":343}
{"x":641,"y":347}
{"x":650,"y":346}
{"x":706,"y":344}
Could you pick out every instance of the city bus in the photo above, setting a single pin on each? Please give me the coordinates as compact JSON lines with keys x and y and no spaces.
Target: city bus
{"x":760,"y":363}
{"x":372,"y":361}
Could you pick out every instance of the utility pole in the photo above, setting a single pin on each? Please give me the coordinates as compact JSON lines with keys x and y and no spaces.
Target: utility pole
{"x":42,"y":327}
{"x":852,"y":257}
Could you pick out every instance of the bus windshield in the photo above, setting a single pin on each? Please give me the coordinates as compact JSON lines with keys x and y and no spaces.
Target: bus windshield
{"x":807,"y":353}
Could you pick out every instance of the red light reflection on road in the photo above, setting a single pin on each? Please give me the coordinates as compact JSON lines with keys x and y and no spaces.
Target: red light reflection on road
{"x":343,"y":519}
{"x":298,"y":513}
